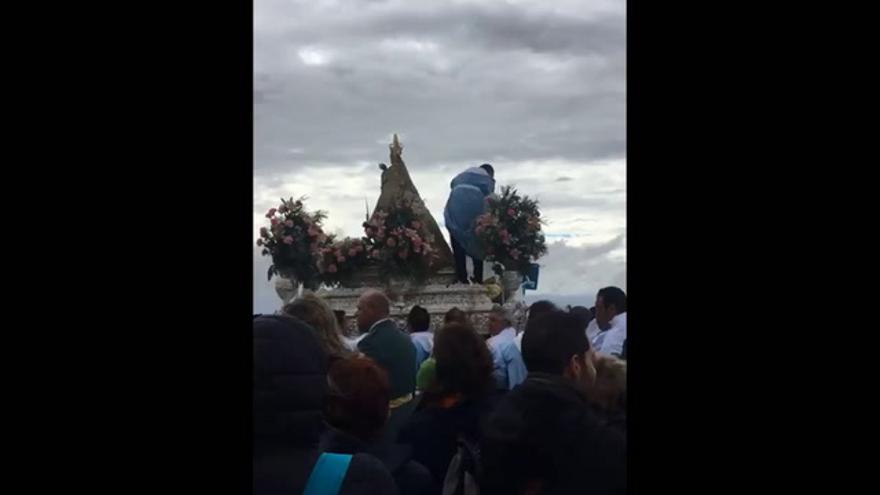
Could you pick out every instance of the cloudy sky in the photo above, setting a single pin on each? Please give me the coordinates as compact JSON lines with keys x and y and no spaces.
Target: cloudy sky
{"x":536,"y":88}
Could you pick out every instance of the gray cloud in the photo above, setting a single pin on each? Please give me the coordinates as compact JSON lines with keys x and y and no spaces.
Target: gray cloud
{"x":462,"y":83}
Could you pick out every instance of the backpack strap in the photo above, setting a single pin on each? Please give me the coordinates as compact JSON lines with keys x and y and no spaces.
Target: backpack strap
{"x":327,"y":475}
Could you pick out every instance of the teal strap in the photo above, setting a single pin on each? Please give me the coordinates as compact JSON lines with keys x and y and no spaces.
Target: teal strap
{"x":327,"y":475}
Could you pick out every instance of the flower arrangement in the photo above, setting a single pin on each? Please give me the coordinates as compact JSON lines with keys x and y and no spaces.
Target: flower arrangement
{"x":510,"y":231}
{"x":294,"y":239}
{"x":399,"y":243}
{"x":340,"y":260}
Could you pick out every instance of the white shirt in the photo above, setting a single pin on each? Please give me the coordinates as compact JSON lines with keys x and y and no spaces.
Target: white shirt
{"x":593,"y":330}
{"x":352,"y":342}
{"x":518,"y":341}
{"x":508,"y":366}
{"x":424,"y":344}
{"x":505,"y":335}
{"x":611,"y":341}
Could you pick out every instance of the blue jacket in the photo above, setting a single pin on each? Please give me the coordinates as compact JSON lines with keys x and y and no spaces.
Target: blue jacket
{"x":467,"y":201}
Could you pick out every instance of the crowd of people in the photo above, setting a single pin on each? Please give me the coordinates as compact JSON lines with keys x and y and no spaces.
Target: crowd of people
{"x":421,"y":410}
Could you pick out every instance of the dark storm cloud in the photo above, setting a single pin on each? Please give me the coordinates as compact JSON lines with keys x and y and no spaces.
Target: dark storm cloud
{"x":460,"y":82}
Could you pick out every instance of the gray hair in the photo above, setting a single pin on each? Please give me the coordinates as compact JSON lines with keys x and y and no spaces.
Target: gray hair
{"x":503,"y":313}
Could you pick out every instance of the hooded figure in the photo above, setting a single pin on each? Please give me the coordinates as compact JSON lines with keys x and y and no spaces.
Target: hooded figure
{"x":467,"y":201}
{"x":290,"y":381}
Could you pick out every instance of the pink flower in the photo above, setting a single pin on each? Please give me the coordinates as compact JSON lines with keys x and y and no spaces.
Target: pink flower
{"x":274,"y":222}
{"x":375,"y":253}
{"x":313,"y":232}
{"x":391,"y":242}
{"x":331,"y":268}
{"x":270,"y":212}
{"x":289,"y":223}
{"x":416,"y":224}
{"x":340,"y":258}
{"x":352,"y":252}
{"x":417,"y":249}
{"x":264,"y":232}
{"x":510,"y":212}
{"x":288,"y":240}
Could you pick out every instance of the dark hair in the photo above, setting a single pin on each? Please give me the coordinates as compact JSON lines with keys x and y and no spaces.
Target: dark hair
{"x":541,"y":307}
{"x":357,"y":396}
{"x":418,"y":319}
{"x":488,"y":168}
{"x":551,"y":339}
{"x":464,"y":364}
{"x":455,"y":315}
{"x":582,"y":313}
{"x":615,"y":296}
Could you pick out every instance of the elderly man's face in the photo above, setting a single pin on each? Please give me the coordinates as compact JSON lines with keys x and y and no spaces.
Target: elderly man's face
{"x":496,"y":323}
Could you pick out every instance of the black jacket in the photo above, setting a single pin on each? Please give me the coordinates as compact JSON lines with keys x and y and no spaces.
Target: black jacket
{"x":544,"y":430}
{"x":433,"y":432}
{"x":411,"y":477}
{"x":394,"y":351}
{"x":289,"y":385}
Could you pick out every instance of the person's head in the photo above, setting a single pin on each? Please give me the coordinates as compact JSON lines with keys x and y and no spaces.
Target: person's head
{"x":609,"y":390}
{"x":357,"y":397}
{"x":489,"y":169}
{"x":463,"y":363}
{"x":455,"y":315}
{"x":317,"y":313}
{"x":610,"y":302}
{"x":372,"y":306}
{"x":289,"y":368}
{"x":540,"y":307}
{"x":583,"y":313}
{"x":555,"y":343}
{"x":418,"y":319}
{"x":499,"y":319}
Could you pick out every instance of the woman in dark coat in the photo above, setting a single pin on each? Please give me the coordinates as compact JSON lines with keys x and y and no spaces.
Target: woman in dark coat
{"x":456,"y":400}
{"x":356,"y":410}
{"x":290,"y":381}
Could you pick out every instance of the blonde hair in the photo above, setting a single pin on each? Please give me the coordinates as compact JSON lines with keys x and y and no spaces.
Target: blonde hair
{"x":316,"y":312}
{"x":609,"y":389}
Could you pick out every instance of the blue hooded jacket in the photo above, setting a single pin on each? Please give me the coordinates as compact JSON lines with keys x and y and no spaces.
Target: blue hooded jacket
{"x":466,"y":202}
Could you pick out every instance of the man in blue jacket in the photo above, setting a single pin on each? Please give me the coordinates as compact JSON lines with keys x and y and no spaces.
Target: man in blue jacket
{"x":467,"y":201}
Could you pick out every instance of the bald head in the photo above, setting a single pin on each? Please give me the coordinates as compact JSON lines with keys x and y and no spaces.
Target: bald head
{"x":373,"y":305}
